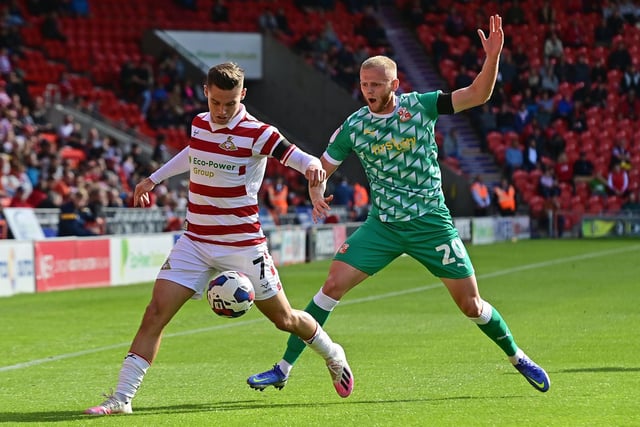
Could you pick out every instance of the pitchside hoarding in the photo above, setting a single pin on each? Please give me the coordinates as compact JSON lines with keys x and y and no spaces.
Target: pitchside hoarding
{"x":17,"y":274}
{"x":138,"y":259}
{"x":72,"y":263}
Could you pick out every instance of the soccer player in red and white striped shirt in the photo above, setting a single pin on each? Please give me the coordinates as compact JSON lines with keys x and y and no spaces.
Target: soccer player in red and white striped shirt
{"x":226,"y":160}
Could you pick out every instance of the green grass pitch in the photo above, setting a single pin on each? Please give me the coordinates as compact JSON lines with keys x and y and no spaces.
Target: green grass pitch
{"x":572,"y":305}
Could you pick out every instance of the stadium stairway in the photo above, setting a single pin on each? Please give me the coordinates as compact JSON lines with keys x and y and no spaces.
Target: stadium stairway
{"x":413,"y":60}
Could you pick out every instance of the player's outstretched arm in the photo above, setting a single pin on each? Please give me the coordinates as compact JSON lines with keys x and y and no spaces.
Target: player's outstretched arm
{"x":316,"y":193}
{"x":480,"y":90}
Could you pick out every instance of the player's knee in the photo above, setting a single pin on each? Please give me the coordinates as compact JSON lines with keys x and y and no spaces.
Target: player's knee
{"x":333,"y":289}
{"x":285,"y":322}
{"x":471,"y":307}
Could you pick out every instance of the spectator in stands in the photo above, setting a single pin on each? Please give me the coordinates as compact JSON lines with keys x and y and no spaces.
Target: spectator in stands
{"x":97,"y":201}
{"x":583,"y":169}
{"x":463,"y":77}
{"x":546,"y":13}
{"x":219,"y":12}
{"x":602,"y":33}
{"x":563,"y":109}
{"x":618,"y":181}
{"x":267,"y":22}
{"x":439,"y":49}
{"x":620,"y":153}
{"x":629,"y":105}
{"x":531,"y":155}
{"x":521,"y":60}
{"x":619,"y":57}
{"x":506,"y":118}
{"x":549,"y":82}
{"x":481,"y":197}
{"x":632,"y":204}
{"x":545,"y":108}
{"x":50,"y":28}
{"x":454,"y":22}
{"x":488,"y":121}
{"x":415,"y":12}
{"x":65,"y":129}
{"x":278,"y":194}
{"x":75,"y":216}
{"x":19,"y":200}
{"x":522,"y":117}
{"x":614,"y":19}
{"x":513,"y":157}
{"x":343,"y":193}
{"x":505,"y":197}
{"x":555,"y":144}
{"x":553,"y":47}
{"x":514,"y":15}
{"x":564,"y":70}
{"x":114,"y":199}
{"x":283,"y":22}
{"x":582,"y":70}
{"x":223,"y":231}
{"x":548,"y":184}
{"x":370,"y":28}
{"x":564,"y":169}
{"x":630,"y":79}
{"x":451,"y":144}
{"x":16,"y":178}
{"x":508,"y":71}
{"x":360,"y":202}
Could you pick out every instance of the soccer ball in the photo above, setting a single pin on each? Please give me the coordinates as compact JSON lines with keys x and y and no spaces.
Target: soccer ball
{"x":230,"y":294}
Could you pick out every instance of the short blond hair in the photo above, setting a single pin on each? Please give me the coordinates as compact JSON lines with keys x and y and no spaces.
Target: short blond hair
{"x":380,"y":61}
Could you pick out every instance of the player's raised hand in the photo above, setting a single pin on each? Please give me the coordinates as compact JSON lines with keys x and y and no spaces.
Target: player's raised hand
{"x":492,"y":45}
{"x":141,"y":193}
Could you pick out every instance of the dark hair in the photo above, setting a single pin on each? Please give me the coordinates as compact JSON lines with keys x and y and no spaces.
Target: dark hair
{"x":226,"y":76}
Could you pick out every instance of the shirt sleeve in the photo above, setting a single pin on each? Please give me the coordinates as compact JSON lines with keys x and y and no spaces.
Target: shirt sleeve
{"x":177,"y":165}
{"x":340,"y":146}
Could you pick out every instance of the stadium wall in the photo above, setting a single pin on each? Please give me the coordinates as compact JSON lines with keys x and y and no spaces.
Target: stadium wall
{"x":84,"y":262}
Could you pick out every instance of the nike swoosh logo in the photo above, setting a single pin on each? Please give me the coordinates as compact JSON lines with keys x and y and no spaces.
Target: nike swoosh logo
{"x":541,"y":385}
{"x":258,"y":381}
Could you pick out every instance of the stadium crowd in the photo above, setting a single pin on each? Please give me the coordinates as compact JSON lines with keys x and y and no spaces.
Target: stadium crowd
{"x":547,"y":103}
{"x":563,"y":120}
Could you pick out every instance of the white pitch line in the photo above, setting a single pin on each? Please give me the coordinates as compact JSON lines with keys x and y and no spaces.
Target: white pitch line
{"x":349,"y":302}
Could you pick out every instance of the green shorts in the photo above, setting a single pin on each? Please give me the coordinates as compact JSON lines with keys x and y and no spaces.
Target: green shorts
{"x":432,"y":240}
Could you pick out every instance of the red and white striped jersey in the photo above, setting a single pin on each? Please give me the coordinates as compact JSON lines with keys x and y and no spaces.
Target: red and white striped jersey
{"x":226,"y":168}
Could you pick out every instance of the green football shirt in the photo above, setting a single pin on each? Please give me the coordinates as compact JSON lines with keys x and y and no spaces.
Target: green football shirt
{"x":399,"y":154}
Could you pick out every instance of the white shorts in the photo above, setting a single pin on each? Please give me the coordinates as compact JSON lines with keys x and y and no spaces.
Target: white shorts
{"x":192,"y":264}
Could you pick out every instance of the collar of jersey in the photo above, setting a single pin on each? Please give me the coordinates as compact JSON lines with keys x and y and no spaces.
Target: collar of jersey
{"x":232,"y":123}
{"x":386,"y":116}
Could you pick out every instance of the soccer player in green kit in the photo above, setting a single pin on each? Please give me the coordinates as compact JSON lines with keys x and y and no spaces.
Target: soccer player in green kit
{"x":394,"y":138}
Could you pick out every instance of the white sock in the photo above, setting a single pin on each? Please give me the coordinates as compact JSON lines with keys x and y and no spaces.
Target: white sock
{"x":321,"y":343}
{"x":485,"y":315}
{"x":285,"y":367}
{"x":514,"y":359}
{"x":132,"y":372}
{"x":324,"y":302}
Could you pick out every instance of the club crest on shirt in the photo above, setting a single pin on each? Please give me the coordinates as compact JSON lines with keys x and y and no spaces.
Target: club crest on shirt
{"x":228,"y":145}
{"x":166,"y":266}
{"x":404,"y":114}
{"x":343,"y":249}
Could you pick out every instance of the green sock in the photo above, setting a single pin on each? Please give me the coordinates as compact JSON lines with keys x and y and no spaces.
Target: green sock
{"x":499,"y":332}
{"x":295,"y":346}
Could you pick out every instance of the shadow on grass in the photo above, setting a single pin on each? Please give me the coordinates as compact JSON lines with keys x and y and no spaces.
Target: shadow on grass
{"x":600,"y":369}
{"x":240,"y":405}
